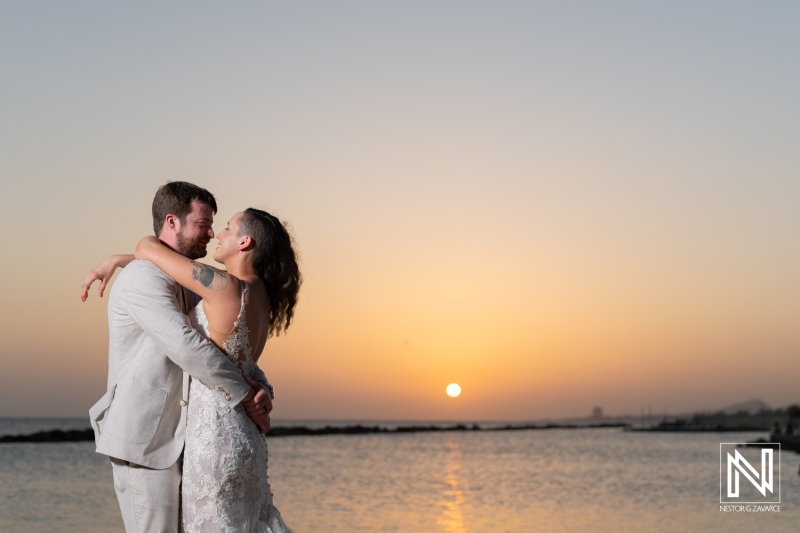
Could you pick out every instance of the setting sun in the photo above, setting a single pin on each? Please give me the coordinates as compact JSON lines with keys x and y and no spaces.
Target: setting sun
{"x":453,"y":390}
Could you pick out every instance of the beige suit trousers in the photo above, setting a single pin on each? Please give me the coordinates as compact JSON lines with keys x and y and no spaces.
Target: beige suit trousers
{"x":148,"y":498}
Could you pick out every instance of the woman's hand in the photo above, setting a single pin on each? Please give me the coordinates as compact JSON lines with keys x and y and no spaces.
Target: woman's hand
{"x":103,"y":272}
{"x":145,"y":245}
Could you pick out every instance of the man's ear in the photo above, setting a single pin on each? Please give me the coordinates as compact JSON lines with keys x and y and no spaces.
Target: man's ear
{"x":246,"y":242}
{"x":172,"y":222}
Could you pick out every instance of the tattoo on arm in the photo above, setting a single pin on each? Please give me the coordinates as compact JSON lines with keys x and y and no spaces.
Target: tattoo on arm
{"x":209,"y":277}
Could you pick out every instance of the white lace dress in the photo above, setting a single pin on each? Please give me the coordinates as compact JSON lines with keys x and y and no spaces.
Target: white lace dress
{"x":225,"y":486}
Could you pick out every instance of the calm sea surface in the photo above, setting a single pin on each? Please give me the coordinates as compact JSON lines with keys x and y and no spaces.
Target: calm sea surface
{"x":595,"y":480}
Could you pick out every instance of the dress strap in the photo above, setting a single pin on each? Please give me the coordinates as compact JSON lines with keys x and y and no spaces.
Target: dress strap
{"x":241,"y":319}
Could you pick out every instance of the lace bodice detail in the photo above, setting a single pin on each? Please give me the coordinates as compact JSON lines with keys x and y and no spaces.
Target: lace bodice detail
{"x":225,"y":486}
{"x":237,"y":345}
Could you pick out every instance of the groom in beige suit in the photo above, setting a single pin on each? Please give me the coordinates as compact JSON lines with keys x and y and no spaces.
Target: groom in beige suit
{"x":140,"y":422}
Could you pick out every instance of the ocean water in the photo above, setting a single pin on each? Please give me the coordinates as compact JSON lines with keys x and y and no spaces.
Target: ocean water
{"x":595,"y":480}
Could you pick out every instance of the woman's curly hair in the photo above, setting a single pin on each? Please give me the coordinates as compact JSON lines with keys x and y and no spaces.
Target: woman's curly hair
{"x":275,"y":262}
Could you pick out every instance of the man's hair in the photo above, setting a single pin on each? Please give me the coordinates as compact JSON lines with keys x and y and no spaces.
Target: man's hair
{"x":175,"y":198}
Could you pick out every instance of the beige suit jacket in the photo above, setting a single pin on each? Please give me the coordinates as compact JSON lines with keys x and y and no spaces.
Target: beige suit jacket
{"x":152,"y":348}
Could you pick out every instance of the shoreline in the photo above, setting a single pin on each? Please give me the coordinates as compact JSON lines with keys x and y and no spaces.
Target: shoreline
{"x":77,"y":435}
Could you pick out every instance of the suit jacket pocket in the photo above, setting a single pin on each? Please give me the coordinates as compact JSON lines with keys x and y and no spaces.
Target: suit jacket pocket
{"x":98,"y":411}
{"x":135,"y":412}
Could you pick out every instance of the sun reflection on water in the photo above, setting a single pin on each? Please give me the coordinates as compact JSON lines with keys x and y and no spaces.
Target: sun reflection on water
{"x":452,"y":502}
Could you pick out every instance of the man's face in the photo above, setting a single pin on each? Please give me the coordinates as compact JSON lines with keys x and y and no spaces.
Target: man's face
{"x":193,"y":236}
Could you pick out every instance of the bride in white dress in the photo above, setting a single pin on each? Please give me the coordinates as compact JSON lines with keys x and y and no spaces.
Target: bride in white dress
{"x":225,"y":486}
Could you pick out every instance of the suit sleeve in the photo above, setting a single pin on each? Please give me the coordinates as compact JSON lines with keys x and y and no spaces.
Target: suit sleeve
{"x":259,"y":376}
{"x":151,"y":301}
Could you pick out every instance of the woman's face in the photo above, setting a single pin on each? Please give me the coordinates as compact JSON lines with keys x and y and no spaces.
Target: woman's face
{"x":228,"y":240}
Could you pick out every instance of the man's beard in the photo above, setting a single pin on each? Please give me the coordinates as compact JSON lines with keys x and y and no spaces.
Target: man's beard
{"x":193,"y":249}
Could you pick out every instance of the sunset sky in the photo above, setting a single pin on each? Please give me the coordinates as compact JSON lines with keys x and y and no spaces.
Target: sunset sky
{"x":557,"y":205}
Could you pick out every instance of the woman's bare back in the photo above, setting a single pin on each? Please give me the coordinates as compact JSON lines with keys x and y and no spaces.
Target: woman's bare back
{"x":224,"y":317}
